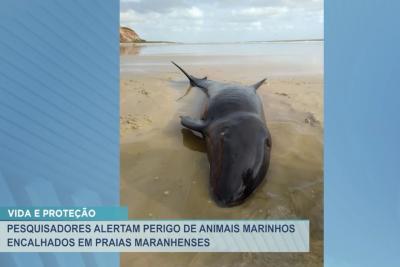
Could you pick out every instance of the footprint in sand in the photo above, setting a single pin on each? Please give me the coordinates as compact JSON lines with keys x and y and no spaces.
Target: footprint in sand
{"x":132,"y":122}
{"x":144,"y":92}
{"x":310,"y":119}
{"x":282,"y":94}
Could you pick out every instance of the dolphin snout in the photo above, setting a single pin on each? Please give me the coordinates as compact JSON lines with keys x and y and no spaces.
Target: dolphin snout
{"x":228,"y":202}
{"x":229,"y":198}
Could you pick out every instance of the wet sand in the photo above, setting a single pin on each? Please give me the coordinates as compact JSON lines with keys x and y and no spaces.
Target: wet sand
{"x":164,"y":168}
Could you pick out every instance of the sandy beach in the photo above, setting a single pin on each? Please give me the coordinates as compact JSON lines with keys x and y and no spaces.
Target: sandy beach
{"x":164,"y":168}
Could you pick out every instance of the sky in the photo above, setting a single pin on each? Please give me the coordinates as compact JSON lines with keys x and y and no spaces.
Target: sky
{"x":223,"y":20}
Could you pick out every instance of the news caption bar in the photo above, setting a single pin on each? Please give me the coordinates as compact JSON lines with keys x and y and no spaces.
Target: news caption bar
{"x":108,"y":229}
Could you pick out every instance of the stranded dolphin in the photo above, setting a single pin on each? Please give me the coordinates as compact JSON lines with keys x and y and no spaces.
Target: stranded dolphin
{"x":237,"y":139}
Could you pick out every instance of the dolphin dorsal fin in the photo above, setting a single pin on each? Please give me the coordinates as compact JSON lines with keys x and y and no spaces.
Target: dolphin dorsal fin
{"x":258,"y":84}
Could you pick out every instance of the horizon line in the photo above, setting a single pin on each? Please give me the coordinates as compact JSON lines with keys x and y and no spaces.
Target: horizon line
{"x":232,"y":42}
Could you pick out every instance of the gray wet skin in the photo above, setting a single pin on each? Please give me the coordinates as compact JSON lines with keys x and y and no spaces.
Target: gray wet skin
{"x":237,"y":138}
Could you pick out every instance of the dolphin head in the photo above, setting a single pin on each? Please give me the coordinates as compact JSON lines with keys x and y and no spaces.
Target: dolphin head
{"x":239,"y":150}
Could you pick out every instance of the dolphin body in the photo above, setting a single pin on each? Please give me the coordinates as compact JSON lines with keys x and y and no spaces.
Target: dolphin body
{"x":238,"y":141}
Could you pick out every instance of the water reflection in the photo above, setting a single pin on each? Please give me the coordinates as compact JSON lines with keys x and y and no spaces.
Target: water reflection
{"x":193,"y":141}
{"x":129,"y":49}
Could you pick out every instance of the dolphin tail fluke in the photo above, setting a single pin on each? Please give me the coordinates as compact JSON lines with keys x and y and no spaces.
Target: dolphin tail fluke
{"x":193,"y":80}
{"x":190,"y":77}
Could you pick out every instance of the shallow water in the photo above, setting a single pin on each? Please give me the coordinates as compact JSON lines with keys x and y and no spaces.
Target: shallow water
{"x":164,"y":168}
{"x":278,"y":57}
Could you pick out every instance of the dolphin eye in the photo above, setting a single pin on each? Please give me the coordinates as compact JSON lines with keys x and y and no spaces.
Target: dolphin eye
{"x":225,"y":132}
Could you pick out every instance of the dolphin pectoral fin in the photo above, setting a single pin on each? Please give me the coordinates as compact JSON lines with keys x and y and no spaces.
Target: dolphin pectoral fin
{"x":258,"y":84}
{"x":193,"y":124}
